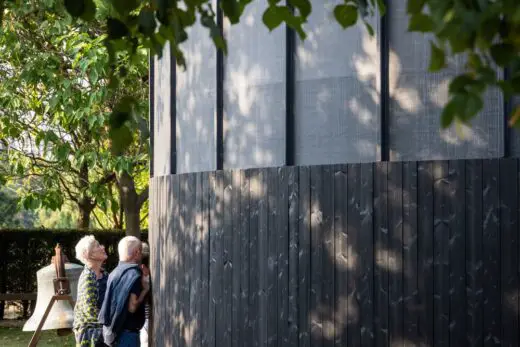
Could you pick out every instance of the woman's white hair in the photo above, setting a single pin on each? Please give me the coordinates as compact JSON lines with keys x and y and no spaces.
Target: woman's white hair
{"x":127,"y":246}
{"x":84,"y":247}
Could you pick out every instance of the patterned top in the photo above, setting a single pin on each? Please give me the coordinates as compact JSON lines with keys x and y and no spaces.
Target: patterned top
{"x":91,"y":292}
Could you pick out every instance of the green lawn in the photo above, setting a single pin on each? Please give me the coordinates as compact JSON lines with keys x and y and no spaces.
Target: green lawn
{"x":15,"y":337}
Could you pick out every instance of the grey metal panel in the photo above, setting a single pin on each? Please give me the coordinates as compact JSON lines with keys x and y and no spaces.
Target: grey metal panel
{"x":162,"y":114}
{"x":417,"y":98}
{"x":196,"y":102}
{"x":337,"y":93}
{"x":254,"y":92}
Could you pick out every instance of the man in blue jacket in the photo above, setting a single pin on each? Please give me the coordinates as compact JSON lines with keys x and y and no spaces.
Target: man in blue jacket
{"x":123,"y":313}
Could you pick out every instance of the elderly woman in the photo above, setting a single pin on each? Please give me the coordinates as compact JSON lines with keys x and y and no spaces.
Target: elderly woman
{"x":92,"y":285}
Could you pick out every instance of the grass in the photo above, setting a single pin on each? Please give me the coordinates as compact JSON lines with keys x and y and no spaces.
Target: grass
{"x":15,"y":337}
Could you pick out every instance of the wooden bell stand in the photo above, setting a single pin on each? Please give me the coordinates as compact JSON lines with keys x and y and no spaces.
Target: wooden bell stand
{"x":61,"y":292}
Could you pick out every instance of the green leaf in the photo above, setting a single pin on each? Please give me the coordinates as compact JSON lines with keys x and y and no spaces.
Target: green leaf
{"x":437,"y":58}
{"x":303,"y":6}
{"x":124,"y":7}
{"x":420,"y":23}
{"x":370,"y":29}
{"x":75,"y":8}
{"x":459,"y":83}
{"x":120,"y":138}
{"x":62,"y":152}
{"x":273,"y":17}
{"x":474,"y":61}
{"x":147,"y":22}
{"x":448,"y":113}
{"x":503,"y":54}
{"x":89,"y":12}
{"x":346,"y":15}
{"x":381,"y":6}
{"x":231,"y":9}
{"x":507,"y":88}
{"x":474,"y":105}
{"x":415,"y":6}
{"x":93,"y":76}
{"x":116,"y":29}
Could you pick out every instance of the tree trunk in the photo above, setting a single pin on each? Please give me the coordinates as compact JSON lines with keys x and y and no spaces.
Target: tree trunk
{"x":85,"y":204}
{"x":131,"y":202}
{"x":84,"y":218}
{"x":132,"y":218}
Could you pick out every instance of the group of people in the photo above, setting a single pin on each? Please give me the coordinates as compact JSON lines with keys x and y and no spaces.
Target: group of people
{"x":112,"y":309}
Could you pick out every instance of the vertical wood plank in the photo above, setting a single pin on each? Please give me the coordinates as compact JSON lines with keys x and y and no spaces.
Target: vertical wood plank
{"x":411,"y":301}
{"x":163,"y":191}
{"x":441,"y":254}
{"x":328,"y":263}
{"x":263,"y":256}
{"x":366,"y":254}
{"x":153,"y":233}
{"x":244,"y":257}
{"x":205,"y":261}
{"x":491,"y":242}
{"x":227,"y":261}
{"x":184,"y":245}
{"x":175,"y":257}
{"x":425,"y":252}
{"x":474,"y":255}
{"x":190,"y":252}
{"x":159,"y":298}
{"x":236,"y":264}
{"x":341,"y":254}
{"x":282,"y":229}
{"x":353,"y":231}
{"x":316,"y":256}
{"x":304,"y":264}
{"x":181,"y":238}
{"x":271,"y":290}
{"x":213,"y":258}
{"x":457,"y":253}
{"x":509,"y":250}
{"x":395,"y":254}
{"x":381,"y":243}
{"x":198,"y":242}
{"x":254,"y":281}
{"x":218,"y":298}
{"x":294,"y":197}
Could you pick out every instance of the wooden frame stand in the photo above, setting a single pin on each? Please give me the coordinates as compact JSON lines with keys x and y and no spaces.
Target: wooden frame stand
{"x":36,"y":336}
{"x":61,"y":292}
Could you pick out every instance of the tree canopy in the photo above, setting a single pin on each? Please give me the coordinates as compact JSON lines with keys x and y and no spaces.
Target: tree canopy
{"x":56,"y":107}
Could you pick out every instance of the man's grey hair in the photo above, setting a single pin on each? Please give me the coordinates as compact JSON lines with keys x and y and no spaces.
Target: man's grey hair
{"x":146,"y":250}
{"x":84,"y":247}
{"x":127,"y":246}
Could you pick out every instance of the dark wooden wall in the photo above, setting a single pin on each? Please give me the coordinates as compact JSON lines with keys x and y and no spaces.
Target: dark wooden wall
{"x":384,"y":254}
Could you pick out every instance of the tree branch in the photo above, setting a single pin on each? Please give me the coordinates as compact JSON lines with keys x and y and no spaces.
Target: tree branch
{"x":143,"y":219}
{"x":67,"y":190}
{"x":141,"y":199}
{"x":97,"y":220}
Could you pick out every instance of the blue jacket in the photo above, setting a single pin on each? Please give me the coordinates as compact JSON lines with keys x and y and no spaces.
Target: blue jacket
{"x":115,"y":305}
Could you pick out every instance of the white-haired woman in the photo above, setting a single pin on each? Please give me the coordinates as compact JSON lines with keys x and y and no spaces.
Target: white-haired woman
{"x":92,"y":285}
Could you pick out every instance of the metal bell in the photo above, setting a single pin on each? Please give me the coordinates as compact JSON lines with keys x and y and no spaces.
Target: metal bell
{"x":61,"y":315}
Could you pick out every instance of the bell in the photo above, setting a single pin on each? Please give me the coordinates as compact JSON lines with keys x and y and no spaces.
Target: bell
{"x":61,"y":315}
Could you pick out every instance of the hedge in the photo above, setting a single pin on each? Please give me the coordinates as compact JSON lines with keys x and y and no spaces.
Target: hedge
{"x":23,"y":252}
